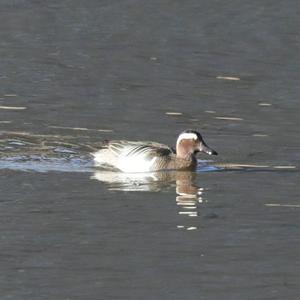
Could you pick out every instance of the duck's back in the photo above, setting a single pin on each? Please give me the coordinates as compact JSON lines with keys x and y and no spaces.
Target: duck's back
{"x":132,"y":156}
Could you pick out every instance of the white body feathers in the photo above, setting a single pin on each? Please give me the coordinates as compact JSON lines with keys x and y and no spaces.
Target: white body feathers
{"x":125,"y":161}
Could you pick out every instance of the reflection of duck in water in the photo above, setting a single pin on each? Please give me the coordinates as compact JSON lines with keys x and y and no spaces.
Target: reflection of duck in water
{"x":156,"y":181}
{"x":189,"y":195}
{"x":130,"y":156}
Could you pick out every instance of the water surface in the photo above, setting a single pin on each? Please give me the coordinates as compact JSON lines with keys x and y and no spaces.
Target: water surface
{"x":75,"y":73}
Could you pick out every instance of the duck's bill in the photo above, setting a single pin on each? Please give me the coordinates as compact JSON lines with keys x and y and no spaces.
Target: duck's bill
{"x":204,"y":148}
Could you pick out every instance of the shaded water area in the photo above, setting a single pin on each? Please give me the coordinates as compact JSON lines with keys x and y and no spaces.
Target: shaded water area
{"x":74,"y":73}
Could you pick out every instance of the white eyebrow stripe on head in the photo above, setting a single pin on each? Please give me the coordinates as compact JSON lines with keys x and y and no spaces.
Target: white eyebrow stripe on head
{"x":187,"y":136}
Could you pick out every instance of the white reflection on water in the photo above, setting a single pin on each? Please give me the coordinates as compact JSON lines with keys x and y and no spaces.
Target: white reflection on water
{"x":188,"y":197}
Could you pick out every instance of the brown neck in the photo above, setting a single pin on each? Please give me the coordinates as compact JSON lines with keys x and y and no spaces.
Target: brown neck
{"x":184,"y":150}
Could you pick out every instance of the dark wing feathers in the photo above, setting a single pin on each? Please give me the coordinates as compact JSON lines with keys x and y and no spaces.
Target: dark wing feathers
{"x":148,"y":149}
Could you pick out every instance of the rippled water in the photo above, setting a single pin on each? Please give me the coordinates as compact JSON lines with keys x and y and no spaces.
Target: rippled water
{"x":74,"y":73}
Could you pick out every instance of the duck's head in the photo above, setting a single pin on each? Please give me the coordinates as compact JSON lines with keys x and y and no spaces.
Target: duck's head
{"x":190,"y":142}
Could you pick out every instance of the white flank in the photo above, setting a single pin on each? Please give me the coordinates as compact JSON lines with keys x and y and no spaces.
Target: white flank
{"x":128,"y":164}
{"x":135,"y":163}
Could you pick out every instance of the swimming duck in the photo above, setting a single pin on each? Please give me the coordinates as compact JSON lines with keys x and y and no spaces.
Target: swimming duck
{"x":140,"y":156}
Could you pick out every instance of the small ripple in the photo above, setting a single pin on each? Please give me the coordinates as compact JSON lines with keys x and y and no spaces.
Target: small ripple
{"x":40,"y":164}
{"x":205,"y":166}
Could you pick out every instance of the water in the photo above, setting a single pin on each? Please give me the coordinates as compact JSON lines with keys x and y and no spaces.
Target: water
{"x":73,"y":74}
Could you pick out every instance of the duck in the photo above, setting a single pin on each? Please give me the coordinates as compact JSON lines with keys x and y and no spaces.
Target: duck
{"x":147,"y":156}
